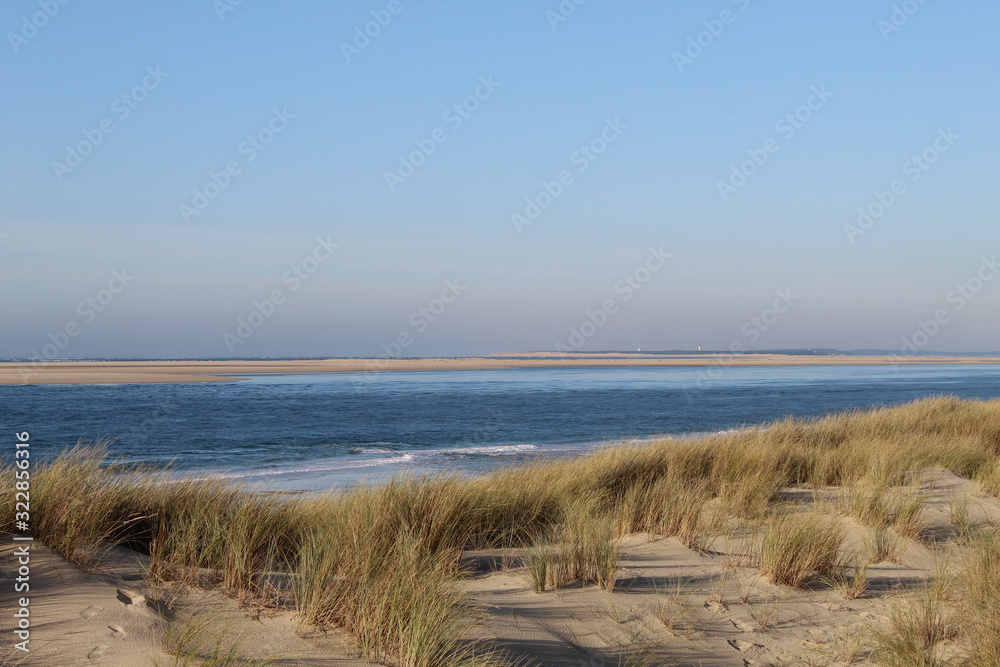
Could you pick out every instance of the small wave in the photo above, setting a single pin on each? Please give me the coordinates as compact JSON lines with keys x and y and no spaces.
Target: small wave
{"x":369,"y":450}
{"x":374,"y":455}
{"x":493,"y":450}
{"x":327,"y":466}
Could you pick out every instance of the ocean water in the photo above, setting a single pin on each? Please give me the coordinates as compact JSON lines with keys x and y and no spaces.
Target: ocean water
{"x":328,"y":430}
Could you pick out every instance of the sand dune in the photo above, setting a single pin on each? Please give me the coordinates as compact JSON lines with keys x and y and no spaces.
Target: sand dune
{"x":723,"y":613}
{"x":726,"y":614}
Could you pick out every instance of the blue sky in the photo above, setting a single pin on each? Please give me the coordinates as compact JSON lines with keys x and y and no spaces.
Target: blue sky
{"x":121,"y":119}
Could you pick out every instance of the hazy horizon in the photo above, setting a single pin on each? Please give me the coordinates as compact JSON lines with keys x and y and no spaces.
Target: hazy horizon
{"x":239,"y":179}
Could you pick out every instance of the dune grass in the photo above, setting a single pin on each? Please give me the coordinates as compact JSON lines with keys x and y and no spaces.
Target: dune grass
{"x":384,"y":562}
{"x":982,"y":594}
{"x":917,"y":628}
{"x":538,"y":562}
{"x":855,"y":584}
{"x":881,"y":544}
{"x":203,"y":641}
{"x":882,"y":507}
{"x":799,"y":546}
{"x":671,"y":607}
{"x":76,"y":504}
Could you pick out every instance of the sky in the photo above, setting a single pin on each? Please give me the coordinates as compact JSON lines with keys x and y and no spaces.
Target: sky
{"x":221,"y":178}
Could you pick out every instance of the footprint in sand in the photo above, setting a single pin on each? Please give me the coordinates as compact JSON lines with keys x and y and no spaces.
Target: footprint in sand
{"x":96,"y":654}
{"x":129,"y":597}
{"x":743,"y":626}
{"x":743,"y":646}
{"x":117,"y":631}
{"x":869,"y":616}
{"x":90,"y":612}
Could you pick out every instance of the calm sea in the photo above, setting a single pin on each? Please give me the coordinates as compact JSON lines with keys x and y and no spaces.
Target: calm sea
{"x":318,"y":431}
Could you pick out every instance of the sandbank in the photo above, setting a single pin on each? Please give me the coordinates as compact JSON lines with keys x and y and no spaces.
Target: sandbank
{"x":146,"y":372}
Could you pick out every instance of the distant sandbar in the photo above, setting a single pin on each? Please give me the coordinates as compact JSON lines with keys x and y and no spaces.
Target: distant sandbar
{"x":136,"y":372}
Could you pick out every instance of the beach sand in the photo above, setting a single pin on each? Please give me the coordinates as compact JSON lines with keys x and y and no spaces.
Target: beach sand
{"x":725,"y":613}
{"x":114,"y":617}
{"x":136,"y":372}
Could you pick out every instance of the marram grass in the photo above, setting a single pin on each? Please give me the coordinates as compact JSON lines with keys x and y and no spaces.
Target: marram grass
{"x":384,"y":562}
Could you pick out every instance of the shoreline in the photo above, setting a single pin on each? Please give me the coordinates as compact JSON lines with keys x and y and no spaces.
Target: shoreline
{"x":158,"y":372}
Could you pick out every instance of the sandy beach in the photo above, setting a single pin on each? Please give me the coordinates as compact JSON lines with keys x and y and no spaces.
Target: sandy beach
{"x":142,"y":372}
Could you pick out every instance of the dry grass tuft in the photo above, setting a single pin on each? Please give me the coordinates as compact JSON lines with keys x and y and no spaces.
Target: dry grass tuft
{"x":917,"y":627}
{"x":198,"y":640}
{"x":981,"y":592}
{"x":881,"y":507}
{"x":672,"y":608}
{"x":881,"y":544}
{"x":798,"y":546}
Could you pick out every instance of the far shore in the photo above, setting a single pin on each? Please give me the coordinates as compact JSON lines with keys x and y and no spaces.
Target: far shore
{"x":146,"y":372}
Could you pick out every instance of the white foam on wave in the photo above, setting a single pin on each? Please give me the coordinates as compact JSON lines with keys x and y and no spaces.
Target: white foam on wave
{"x":492,"y":450}
{"x":370,"y":450}
{"x":368,"y":457}
{"x":324,"y":466}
